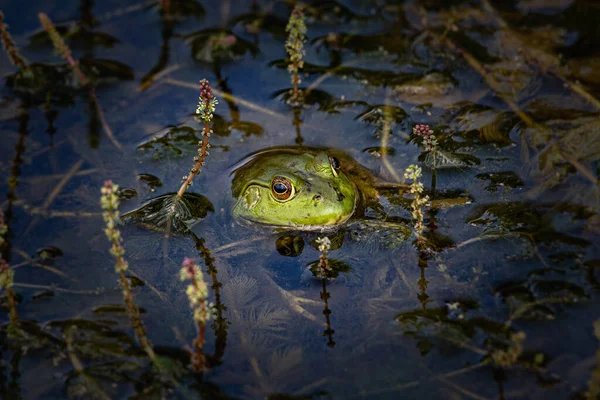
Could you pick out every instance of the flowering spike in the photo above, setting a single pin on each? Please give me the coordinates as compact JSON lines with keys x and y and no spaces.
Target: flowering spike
{"x":10,"y":46}
{"x":206,"y":102}
{"x":324,"y":267}
{"x":204,"y":111}
{"x":294,"y":46}
{"x":429,"y":140}
{"x":197,"y":293}
{"x":62,"y":48}
{"x":110,"y":204}
{"x":413,"y":172}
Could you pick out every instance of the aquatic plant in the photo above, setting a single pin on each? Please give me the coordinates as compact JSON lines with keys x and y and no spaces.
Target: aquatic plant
{"x":505,"y":358}
{"x":197,"y":293}
{"x":10,"y":46}
{"x":429,"y":140}
{"x":413,"y":172}
{"x":220,"y":323}
{"x":204,"y":111}
{"x":294,"y":46}
{"x":110,"y":204}
{"x":324,"y":269}
{"x":93,"y":102}
{"x":62,"y":48}
{"x":7,"y":280}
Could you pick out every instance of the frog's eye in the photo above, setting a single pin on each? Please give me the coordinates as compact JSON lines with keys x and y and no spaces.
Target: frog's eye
{"x":335,"y":165}
{"x":282,"y":189}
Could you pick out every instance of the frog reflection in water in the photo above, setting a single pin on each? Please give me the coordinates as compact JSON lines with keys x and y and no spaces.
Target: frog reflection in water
{"x":302,"y":188}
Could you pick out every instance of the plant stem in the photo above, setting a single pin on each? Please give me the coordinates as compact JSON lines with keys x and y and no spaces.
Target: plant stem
{"x":196,"y":169}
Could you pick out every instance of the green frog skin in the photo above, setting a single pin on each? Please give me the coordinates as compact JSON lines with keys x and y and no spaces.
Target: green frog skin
{"x":302,"y":188}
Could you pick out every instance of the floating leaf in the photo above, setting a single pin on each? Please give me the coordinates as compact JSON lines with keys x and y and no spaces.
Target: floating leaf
{"x":360,"y":44}
{"x":380,"y":113}
{"x":77,"y":38}
{"x":384,"y":78}
{"x":210,"y":45}
{"x":126,"y":193}
{"x":432,"y":85}
{"x":441,"y":159}
{"x":498,"y":179}
{"x":378,"y":151}
{"x":150,"y":180}
{"x":171,"y":213}
{"x":255,"y":23}
{"x":107,"y":69}
{"x":171,"y":140}
{"x":310,"y":97}
{"x":48,"y":253}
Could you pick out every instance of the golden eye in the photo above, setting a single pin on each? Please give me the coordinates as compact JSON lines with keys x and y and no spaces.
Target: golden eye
{"x":282,"y":189}
{"x":335,"y":165}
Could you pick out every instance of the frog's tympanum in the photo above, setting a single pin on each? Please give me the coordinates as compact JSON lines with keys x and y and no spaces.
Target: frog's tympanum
{"x":300,"y":187}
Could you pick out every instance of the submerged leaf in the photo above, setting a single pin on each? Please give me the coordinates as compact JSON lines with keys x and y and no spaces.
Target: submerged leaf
{"x":497,"y":179}
{"x":174,"y":139}
{"x":444,"y":159}
{"x":171,"y":213}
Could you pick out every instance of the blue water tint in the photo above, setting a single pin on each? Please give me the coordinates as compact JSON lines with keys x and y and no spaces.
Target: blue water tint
{"x":510,"y":239}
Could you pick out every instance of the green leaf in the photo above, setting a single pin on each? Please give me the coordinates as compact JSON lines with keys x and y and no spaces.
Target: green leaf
{"x":171,"y":213}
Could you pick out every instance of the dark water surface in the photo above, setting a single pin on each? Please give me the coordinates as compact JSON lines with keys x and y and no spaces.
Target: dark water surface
{"x":501,"y":301}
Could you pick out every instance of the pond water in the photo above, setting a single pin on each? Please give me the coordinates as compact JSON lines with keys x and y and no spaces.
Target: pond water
{"x":497,"y":300}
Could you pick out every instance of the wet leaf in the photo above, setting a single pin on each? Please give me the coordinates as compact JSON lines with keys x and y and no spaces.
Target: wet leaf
{"x":126,"y":193}
{"x":107,"y":69}
{"x":150,"y":180}
{"x":310,"y":97}
{"x":48,"y":253}
{"x":441,"y":159}
{"x":432,"y":85}
{"x":76,"y":37}
{"x":172,"y":140}
{"x":498,"y":179}
{"x":42,"y":294}
{"x":171,"y":213}
{"x":384,"y":78}
{"x":212,"y":45}
{"x":379,"y":151}
{"x":531,"y":221}
{"x":379,"y":44}
{"x":289,"y":245}
{"x":255,"y":23}
{"x":43,"y":83}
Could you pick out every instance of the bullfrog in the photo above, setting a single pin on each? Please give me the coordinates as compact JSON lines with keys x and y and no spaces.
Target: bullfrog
{"x":302,"y":188}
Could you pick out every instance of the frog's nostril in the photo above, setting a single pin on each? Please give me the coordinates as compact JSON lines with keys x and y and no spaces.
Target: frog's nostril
{"x":317,"y":197}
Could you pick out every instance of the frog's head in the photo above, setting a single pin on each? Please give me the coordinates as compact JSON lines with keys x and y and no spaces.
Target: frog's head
{"x":296,"y":189}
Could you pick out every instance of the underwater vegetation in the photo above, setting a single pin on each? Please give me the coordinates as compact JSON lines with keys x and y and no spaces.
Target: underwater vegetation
{"x":458,"y":139}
